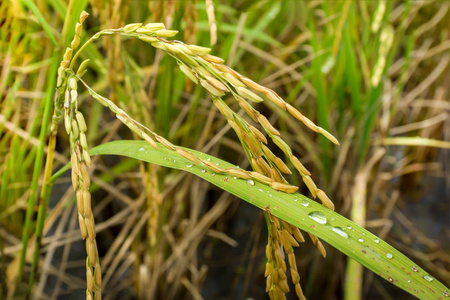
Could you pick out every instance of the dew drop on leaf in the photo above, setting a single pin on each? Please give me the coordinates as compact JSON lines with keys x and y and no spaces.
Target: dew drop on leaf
{"x":340,"y":231}
{"x":428,"y":278}
{"x":360,"y":240}
{"x":141,"y":149}
{"x":250,"y":182}
{"x":318,"y":217}
{"x":203,"y":170}
{"x":305,"y":203}
{"x":376,"y":241}
{"x":389,"y":255}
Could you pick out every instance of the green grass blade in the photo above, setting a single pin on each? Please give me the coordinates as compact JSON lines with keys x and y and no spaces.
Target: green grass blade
{"x":349,"y":238}
{"x":35,"y":10}
{"x":28,"y":227}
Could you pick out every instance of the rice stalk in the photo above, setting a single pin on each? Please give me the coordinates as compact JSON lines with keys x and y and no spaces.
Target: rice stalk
{"x":208,"y":70}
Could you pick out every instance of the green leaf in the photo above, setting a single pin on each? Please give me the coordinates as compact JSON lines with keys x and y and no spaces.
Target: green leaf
{"x":308,"y":215}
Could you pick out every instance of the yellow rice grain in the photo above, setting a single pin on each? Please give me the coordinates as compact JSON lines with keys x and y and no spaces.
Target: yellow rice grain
{"x":310,"y":184}
{"x":187,"y":155}
{"x":299,"y":166}
{"x":82,"y":224}
{"x":250,"y":83}
{"x":261,"y":178}
{"x":328,"y":136}
{"x":217,"y":84}
{"x":297,"y":234}
{"x":213,"y":59}
{"x":281,"y":165}
{"x":90,"y":279}
{"x":267,"y":126}
{"x":275,"y":99}
{"x":249,"y":95}
{"x":321,"y":249}
{"x":165,"y":142}
{"x":287,"y":188}
{"x":87,"y":204}
{"x":149,"y":140}
{"x":284,"y":285}
{"x":324,"y":198}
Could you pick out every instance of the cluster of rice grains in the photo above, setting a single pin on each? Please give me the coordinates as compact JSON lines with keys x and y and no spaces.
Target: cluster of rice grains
{"x":75,"y":126}
{"x":209,"y":71}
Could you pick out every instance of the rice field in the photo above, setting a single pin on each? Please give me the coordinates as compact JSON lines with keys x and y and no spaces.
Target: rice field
{"x":131,"y":131}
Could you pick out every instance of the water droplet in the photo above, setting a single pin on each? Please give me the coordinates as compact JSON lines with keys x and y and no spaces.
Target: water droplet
{"x":203,"y":170}
{"x":360,"y":240}
{"x":409,"y":281}
{"x":349,"y":227}
{"x":250,"y":182}
{"x":208,"y":159}
{"x":414,"y":268}
{"x":217,"y":164}
{"x":445,"y":293}
{"x":305,"y":203}
{"x":234,"y":177}
{"x":141,"y":149}
{"x":270,"y":195}
{"x":391,"y":279}
{"x":189,"y":166}
{"x":260,"y":190}
{"x":340,"y":231}
{"x":213,"y":174}
{"x":376,"y":241}
{"x":389,"y":255}
{"x":318,"y":217}
{"x":295,"y":199}
{"x":428,"y":278}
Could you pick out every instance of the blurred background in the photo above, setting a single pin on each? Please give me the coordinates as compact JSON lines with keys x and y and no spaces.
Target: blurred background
{"x":373,"y":73}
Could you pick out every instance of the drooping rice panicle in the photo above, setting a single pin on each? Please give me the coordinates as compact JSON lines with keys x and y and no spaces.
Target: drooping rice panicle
{"x":210,"y":72}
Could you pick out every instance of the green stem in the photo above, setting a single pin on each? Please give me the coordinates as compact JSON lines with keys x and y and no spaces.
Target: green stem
{"x":42,"y":212}
{"x":67,"y":22}
{"x":93,"y":38}
{"x":38,"y":164}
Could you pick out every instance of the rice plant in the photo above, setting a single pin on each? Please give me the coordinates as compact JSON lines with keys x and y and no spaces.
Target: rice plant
{"x":180,"y":72}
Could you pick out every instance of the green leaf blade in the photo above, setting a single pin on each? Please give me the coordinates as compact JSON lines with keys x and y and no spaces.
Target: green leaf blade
{"x":308,"y":215}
